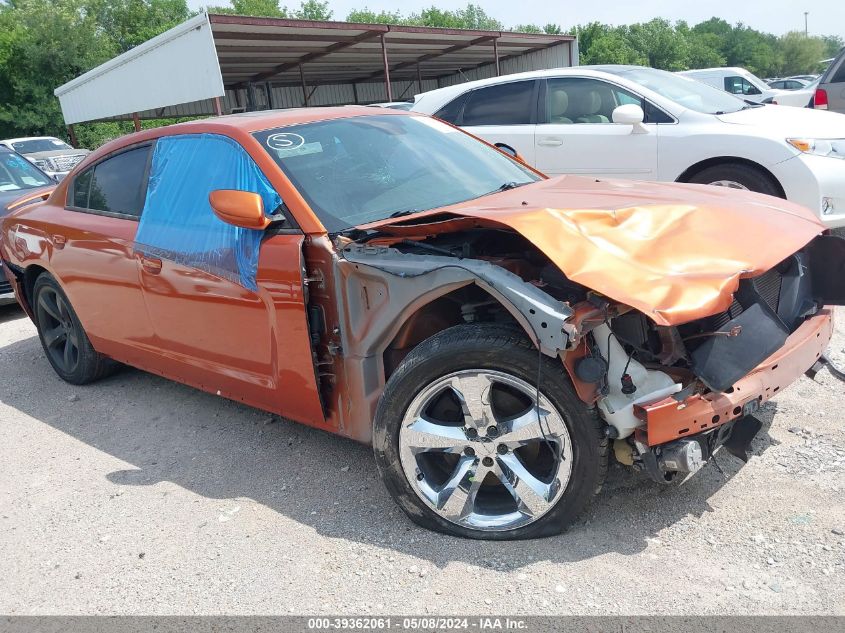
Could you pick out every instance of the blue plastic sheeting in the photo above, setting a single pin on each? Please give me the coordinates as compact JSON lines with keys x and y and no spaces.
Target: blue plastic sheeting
{"x":178,"y":223}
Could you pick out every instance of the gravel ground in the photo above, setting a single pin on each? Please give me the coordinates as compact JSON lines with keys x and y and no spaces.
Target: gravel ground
{"x":140,"y":496}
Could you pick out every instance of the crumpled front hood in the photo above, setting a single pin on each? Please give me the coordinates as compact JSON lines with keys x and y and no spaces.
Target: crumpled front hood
{"x":674,"y":252}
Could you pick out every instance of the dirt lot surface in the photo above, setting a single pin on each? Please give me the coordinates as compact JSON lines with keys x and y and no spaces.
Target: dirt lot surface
{"x":138,"y":495}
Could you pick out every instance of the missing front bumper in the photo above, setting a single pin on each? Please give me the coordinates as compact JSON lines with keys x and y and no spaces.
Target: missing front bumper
{"x":687,"y":455}
{"x":669,"y":420}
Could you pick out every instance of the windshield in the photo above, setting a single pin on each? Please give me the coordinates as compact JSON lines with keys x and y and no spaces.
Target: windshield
{"x":17,"y":173}
{"x":362,"y":169}
{"x":684,"y":91}
{"x":39,"y":145}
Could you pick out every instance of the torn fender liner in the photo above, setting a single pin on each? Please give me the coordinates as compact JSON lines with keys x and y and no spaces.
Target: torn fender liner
{"x":675,"y":252}
{"x":185,"y":169}
{"x":544,"y":315}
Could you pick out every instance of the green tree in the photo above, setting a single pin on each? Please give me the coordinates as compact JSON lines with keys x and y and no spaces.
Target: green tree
{"x":801,"y":54}
{"x":366,"y":16}
{"x":753,"y":50}
{"x":131,"y":22}
{"x":45,"y":43}
{"x":261,"y":8}
{"x":313,"y":10}
{"x":611,"y":47}
{"x":832,"y":45}
{"x":659,"y":43}
{"x":470,"y":17}
{"x":527,"y":28}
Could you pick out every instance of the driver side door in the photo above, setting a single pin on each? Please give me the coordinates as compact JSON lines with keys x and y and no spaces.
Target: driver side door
{"x":226,"y":303}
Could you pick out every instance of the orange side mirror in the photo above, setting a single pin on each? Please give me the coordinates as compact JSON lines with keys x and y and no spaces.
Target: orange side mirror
{"x":239,"y":208}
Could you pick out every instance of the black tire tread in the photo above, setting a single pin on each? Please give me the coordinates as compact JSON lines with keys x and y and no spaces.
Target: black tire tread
{"x":752,"y":177}
{"x":93,"y":366}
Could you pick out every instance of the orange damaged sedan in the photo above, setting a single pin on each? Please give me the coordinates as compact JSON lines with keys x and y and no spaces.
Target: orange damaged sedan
{"x":382,"y":275}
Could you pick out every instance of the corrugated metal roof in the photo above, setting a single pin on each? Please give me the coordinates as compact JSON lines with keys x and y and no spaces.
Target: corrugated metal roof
{"x":180,"y":72}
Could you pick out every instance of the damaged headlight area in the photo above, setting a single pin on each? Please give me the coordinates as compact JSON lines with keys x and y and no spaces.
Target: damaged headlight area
{"x":672,"y":396}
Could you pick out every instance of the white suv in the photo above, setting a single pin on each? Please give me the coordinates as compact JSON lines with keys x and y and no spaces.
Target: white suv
{"x":647,"y":124}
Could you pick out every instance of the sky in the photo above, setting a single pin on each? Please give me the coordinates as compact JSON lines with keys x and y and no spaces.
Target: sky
{"x":773,"y":16}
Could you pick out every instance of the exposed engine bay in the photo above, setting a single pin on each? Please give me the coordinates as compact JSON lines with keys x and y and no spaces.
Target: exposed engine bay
{"x":619,"y":359}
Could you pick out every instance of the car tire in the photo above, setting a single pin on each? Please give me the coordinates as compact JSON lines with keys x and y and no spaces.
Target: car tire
{"x":738,"y":176}
{"x":496,"y":353}
{"x":62,"y":336}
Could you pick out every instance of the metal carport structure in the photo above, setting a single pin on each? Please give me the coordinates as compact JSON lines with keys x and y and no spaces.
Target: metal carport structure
{"x":217,"y":64}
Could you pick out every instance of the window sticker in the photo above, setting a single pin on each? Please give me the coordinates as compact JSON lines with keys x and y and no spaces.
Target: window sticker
{"x":303,"y":150}
{"x":285,"y":141}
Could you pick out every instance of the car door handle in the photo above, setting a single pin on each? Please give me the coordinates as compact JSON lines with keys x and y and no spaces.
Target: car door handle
{"x":59,"y":241}
{"x":151,"y":265}
{"x":550,"y":142}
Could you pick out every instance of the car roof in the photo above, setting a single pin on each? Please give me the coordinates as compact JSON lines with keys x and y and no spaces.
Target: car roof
{"x":267,"y":119}
{"x":732,"y":69}
{"x":590,"y":71}
{"x":243,"y":124}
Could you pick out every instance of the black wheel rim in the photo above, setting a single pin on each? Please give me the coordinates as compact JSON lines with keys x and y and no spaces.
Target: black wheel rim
{"x":58,"y":330}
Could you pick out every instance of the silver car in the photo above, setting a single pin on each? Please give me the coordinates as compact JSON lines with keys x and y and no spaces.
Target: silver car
{"x":830,"y":94}
{"x":51,"y":155}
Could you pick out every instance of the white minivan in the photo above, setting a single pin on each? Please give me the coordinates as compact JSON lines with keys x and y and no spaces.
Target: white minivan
{"x":736,"y":81}
{"x":647,"y":124}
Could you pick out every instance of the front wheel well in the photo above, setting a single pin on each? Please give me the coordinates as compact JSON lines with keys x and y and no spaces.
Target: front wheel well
{"x":697,"y":168}
{"x":466,"y":305}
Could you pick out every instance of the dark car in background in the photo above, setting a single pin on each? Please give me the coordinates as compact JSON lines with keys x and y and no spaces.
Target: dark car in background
{"x":20,"y":181}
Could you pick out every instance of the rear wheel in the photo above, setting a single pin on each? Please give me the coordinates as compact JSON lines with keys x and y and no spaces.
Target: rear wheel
{"x":737,"y":176}
{"x":466,"y":447}
{"x":64,"y":340}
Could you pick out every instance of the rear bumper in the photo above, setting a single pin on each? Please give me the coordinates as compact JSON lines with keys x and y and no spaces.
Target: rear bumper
{"x":668,"y":420}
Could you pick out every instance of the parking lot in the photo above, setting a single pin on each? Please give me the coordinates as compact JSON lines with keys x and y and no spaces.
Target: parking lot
{"x":139,"y":495}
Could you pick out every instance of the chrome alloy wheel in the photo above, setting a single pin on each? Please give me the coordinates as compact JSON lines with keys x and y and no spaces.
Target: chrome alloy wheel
{"x":730,"y":184}
{"x":479,"y":452}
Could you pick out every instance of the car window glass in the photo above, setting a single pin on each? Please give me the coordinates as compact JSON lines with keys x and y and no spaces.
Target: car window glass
{"x":357,"y":170}
{"x":452,"y":111}
{"x":740,"y":86}
{"x":17,"y":173}
{"x":584,"y":100}
{"x":81,"y":187}
{"x":119,"y":183}
{"x":839,"y":75}
{"x":505,"y":104}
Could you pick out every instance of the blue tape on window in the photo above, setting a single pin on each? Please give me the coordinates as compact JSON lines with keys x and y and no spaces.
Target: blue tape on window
{"x":178,"y":224}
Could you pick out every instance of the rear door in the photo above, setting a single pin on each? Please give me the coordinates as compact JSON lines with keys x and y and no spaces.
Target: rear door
{"x":577,"y":136}
{"x":502,"y":113}
{"x":226,"y":304}
{"x":93,"y":252}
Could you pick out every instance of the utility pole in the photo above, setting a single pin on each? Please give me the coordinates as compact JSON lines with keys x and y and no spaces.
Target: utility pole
{"x":806,"y":30}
